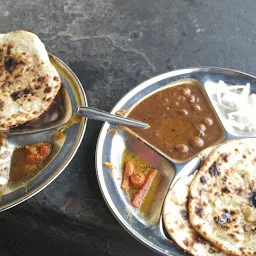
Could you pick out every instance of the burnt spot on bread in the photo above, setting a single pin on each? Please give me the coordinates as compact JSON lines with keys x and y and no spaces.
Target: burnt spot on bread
{"x":225,"y":190}
{"x":220,"y":222}
{"x":198,"y":226}
{"x":40,"y":78}
{"x":27,"y":90}
{"x":17,"y":95}
{"x":214,"y":171}
{"x":37,"y":87}
{"x":253,"y":229}
{"x":184,"y":214}
{"x":224,"y":178}
{"x":186,"y":242}
{"x":198,"y":239}
{"x":211,"y":251}
{"x":252,"y":199}
{"x":203,"y":179}
{"x":201,"y":191}
{"x":7,"y":84}
{"x":56,"y":78}
{"x":224,"y":219}
{"x":17,"y":76}
{"x":224,"y":157}
{"x":242,"y":249}
{"x":199,"y":211}
{"x":1,"y":104}
{"x":47,"y":89}
{"x":10,"y":64}
{"x":231,"y":235}
{"x":9,"y":48}
{"x":239,"y":191}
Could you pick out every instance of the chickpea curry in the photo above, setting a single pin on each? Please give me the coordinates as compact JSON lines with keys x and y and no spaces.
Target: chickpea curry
{"x":27,"y":159}
{"x":182,"y":121}
{"x":140,"y":180}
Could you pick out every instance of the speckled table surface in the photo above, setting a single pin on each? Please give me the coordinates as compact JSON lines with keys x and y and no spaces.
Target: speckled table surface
{"x":113,"y":45}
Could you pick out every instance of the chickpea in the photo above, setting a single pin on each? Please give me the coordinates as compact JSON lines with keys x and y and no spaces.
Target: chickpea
{"x":196,"y":107}
{"x":197,"y":142}
{"x":202,"y":127}
{"x":185,"y":91}
{"x":183,"y":112}
{"x":182,"y":148}
{"x":208,"y":121}
{"x":191,"y":98}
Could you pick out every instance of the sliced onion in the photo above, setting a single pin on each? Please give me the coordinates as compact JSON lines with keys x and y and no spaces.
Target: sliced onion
{"x":239,"y":105}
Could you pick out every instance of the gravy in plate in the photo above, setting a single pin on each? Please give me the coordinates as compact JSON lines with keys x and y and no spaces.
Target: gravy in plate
{"x":182,"y":120}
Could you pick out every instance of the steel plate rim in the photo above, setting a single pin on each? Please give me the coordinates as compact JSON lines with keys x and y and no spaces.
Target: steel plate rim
{"x":71,"y":155}
{"x":172,"y":73}
{"x":106,"y":125}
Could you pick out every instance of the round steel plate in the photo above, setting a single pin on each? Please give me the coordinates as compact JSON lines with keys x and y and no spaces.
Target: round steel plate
{"x":65,"y":147}
{"x":110,"y":149}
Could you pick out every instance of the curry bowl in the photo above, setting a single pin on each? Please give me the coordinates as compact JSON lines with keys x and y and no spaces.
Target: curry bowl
{"x":167,"y":103}
{"x":148,"y":227}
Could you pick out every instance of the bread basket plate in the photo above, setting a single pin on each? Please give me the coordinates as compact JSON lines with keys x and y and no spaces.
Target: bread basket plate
{"x":63,"y":147}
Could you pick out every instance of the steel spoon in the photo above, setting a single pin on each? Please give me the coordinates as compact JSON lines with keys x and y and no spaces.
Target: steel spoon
{"x":96,"y":114}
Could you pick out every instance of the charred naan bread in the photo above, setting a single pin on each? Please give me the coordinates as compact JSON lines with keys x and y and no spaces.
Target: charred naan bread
{"x":175,"y":217}
{"x":5,"y":162}
{"x":28,"y":80}
{"x":222,"y":202}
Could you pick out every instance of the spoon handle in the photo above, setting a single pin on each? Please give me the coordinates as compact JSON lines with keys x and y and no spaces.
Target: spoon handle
{"x":97,"y":114}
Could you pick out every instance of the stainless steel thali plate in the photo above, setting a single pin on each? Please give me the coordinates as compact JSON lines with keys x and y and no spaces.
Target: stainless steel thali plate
{"x":64,"y":146}
{"x":110,"y":149}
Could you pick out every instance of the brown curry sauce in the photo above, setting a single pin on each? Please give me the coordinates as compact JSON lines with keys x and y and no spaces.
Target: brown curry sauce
{"x":27,"y":159}
{"x":182,"y":121}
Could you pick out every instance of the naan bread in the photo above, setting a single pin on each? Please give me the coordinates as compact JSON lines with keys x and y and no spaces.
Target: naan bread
{"x":5,"y":161}
{"x":28,"y":81}
{"x":175,"y":217}
{"x":222,"y":202}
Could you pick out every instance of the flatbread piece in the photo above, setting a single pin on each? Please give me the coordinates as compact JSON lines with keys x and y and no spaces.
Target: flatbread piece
{"x":222,"y":201}
{"x":175,"y":217}
{"x":28,"y":80}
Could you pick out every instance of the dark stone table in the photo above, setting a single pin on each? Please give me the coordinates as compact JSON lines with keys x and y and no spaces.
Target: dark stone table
{"x":112,"y":46}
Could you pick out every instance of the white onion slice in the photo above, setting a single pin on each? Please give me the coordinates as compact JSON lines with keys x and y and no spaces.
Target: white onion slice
{"x":238,"y":104}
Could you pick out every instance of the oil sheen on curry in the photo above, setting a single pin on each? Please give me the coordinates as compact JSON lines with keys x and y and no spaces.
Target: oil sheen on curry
{"x":27,"y":159}
{"x":182,"y":121}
